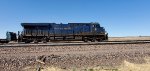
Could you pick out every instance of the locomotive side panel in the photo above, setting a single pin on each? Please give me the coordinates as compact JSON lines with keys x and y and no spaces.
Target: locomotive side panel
{"x":52,"y":31}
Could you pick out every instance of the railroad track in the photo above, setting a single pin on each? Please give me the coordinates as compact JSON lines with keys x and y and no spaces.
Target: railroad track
{"x":75,"y":43}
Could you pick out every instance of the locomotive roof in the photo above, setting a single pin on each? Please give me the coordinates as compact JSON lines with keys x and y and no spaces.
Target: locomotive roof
{"x":36,"y":24}
{"x":46,"y":24}
{"x":85,"y":23}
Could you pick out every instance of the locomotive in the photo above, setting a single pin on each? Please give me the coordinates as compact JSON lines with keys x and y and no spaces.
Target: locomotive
{"x":45,"y":32}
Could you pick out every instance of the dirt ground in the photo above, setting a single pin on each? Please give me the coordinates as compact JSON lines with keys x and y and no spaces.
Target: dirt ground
{"x":71,"y":57}
{"x":78,"y":57}
{"x":129,"y":38}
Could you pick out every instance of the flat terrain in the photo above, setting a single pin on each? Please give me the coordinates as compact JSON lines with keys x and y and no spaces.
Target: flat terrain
{"x":129,"y":38}
{"x":71,"y":58}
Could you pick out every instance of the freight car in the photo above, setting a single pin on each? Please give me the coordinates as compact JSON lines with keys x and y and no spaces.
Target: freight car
{"x":45,"y":32}
{"x":10,"y":36}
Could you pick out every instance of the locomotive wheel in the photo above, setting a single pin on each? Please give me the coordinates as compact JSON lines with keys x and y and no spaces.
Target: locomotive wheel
{"x":99,"y":40}
{"x":27,"y":41}
{"x":36,"y":41}
{"x":44,"y":41}
{"x":93,"y":40}
{"x":85,"y":40}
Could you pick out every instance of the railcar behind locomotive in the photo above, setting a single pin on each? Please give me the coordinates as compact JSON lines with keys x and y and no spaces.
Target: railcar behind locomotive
{"x":10,"y":36}
{"x":45,"y":32}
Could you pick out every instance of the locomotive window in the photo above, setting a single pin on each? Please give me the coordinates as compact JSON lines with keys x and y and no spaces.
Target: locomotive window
{"x":93,"y":25}
{"x":97,"y":25}
{"x":50,"y":26}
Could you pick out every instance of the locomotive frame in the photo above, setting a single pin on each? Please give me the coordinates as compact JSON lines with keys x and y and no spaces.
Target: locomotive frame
{"x":37,"y":32}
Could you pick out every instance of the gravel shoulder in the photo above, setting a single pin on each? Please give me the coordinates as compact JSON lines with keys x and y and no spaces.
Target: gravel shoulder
{"x":67,"y":57}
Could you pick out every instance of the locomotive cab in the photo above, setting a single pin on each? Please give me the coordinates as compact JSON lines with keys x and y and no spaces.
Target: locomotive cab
{"x":99,"y":32}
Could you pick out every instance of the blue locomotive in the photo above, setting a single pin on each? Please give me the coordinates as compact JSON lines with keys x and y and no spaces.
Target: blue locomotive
{"x":45,"y":32}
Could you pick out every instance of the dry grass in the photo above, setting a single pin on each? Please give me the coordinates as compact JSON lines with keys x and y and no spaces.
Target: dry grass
{"x":134,"y":67}
{"x":129,"y":38}
{"x":126,"y":66}
{"x":46,"y":68}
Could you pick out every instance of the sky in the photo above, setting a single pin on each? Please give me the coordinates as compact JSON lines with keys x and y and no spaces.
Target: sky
{"x":119,"y":17}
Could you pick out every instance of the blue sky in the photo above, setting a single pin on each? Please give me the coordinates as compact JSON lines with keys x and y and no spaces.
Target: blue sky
{"x":119,"y":17}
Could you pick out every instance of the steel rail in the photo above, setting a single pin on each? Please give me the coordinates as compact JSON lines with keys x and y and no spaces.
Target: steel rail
{"x":77,"y":43}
